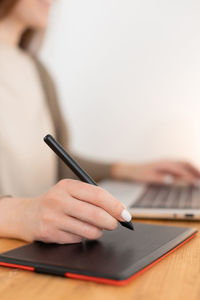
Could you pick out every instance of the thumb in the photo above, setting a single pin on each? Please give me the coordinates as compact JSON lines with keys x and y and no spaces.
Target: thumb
{"x":160,"y":178}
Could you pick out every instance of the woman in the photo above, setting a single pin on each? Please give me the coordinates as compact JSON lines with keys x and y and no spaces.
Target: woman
{"x":33,"y":206}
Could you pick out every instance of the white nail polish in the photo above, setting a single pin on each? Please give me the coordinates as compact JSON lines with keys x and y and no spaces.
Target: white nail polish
{"x":168,"y":179}
{"x":126,"y":215}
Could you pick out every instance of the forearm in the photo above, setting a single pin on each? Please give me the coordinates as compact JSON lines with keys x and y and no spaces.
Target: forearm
{"x":119,"y":171}
{"x":12,"y":217}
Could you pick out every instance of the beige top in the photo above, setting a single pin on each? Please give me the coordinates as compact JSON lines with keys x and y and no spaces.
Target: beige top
{"x":29,"y":110}
{"x":26,"y":165}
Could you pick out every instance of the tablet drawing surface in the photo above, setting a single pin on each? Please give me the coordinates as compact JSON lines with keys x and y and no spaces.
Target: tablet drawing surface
{"x":116,"y":256}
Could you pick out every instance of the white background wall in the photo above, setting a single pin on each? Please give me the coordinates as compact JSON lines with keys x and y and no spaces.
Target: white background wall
{"x":128,"y":74}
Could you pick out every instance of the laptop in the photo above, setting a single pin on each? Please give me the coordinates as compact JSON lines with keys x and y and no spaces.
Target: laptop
{"x":156,"y":201}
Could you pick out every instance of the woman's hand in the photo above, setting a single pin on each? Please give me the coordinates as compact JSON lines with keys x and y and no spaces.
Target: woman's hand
{"x":161,"y":172}
{"x":70,"y":211}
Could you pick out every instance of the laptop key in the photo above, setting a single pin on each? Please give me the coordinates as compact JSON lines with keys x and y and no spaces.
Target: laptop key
{"x":195,"y":195}
{"x":169,"y":197}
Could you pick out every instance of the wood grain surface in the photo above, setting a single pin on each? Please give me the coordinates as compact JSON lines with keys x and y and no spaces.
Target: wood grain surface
{"x":177,"y":277}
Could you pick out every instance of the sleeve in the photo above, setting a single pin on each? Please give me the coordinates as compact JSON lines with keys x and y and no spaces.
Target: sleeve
{"x":5,"y":196}
{"x":97,"y":170}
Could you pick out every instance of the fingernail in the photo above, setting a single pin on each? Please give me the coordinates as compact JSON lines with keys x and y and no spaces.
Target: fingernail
{"x":126,"y":215}
{"x":168,"y":179}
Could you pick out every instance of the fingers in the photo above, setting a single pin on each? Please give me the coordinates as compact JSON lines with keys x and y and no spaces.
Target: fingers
{"x":160,"y":178}
{"x":168,"y":179}
{"x":91,"y":214}
{"x":178,"y":170}
{"x":79,"y":228}
{"x":50,"y":233}
{"x":63,"y":237}
{"x":96,"y":196}
{"x":186,"y":174}
{"x":76,"y":210}
{"x":192,"y":169}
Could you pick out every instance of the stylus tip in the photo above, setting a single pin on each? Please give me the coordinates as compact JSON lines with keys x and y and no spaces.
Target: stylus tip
{"x":128,"y":225}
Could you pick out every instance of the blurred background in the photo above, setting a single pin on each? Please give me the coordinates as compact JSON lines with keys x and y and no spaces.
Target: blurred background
{"x":128,"y":76}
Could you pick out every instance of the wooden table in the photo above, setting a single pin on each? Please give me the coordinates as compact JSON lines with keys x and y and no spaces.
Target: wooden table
{"x":176,"y":277}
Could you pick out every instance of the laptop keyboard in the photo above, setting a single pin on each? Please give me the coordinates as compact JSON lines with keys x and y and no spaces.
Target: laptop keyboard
{"x":169,"y":197}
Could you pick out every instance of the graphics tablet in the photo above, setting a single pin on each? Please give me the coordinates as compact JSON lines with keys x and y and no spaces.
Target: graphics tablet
{"x":116,"y":258}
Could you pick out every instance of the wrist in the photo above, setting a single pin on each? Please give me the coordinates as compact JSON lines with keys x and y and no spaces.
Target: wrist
{"x":13,"y":217}
{"x":119,"y":171}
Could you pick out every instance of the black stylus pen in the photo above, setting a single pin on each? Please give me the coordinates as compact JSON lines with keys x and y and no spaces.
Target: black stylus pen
{"x":73,"y":165}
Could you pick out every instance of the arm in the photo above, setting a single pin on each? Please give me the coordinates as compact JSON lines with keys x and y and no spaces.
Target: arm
{"x":12,"y":211}
{"x":159,"y":172}
{"x":70,"y":211}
